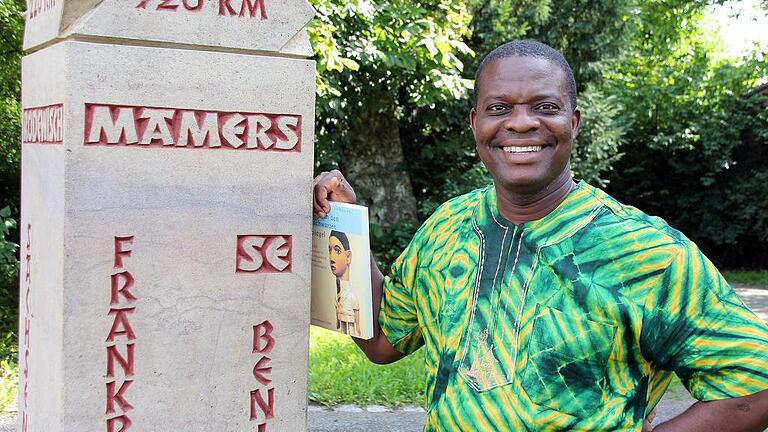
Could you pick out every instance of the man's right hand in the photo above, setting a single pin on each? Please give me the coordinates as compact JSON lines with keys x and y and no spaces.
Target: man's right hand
{"x":331,"y":186}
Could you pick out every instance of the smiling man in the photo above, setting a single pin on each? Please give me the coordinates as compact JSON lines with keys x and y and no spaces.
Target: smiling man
{"x":544,"y":304}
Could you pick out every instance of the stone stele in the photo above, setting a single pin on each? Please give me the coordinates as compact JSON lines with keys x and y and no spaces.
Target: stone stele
{"x":167,"y":155}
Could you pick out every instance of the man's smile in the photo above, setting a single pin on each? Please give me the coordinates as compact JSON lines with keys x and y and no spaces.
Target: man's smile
{"x":525,"y":149}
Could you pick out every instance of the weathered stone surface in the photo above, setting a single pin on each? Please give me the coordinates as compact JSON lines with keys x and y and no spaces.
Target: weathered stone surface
{"x":166,"y":211}
{"x":253,"y":25}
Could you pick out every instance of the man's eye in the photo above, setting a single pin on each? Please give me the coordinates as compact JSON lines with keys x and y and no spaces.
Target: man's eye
{"x":496,"y":108}
{"x":548,"y":107}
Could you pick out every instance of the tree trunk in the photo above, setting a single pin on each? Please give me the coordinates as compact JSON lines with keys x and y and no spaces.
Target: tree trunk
{"x":375,"y":167}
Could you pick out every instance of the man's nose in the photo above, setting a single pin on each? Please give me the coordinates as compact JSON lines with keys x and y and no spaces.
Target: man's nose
{"x":521,"y":120}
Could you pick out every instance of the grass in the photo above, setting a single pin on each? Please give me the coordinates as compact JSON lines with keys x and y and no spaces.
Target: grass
{"x":9,"y":379}
{"x":339,"y":373}
{"x":756,"y":278}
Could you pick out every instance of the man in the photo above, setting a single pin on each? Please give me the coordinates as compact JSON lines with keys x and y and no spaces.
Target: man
{"x":545,"y":305}
{"x":347,"y":305}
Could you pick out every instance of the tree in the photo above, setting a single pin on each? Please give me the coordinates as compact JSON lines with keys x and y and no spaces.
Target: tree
{"x":696,"y":151}
{"x":378,"y":61}
{"x":11,"y":31}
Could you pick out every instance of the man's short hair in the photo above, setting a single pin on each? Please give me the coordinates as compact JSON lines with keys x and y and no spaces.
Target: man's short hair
{"x":528,"y":48}
{"x":342,"y":238}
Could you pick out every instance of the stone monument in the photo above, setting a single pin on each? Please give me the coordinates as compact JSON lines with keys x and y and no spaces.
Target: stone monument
{"x":167,"y":156}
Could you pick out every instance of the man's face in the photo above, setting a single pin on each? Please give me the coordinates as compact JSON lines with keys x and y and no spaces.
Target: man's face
{"x":339,"y":257}
{"x":523,"y":123}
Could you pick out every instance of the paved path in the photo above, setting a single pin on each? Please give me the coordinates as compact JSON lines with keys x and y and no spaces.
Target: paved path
{"x":356,"y":419}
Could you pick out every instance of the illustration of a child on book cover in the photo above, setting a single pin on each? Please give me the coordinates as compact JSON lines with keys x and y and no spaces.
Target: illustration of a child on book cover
{"x":341,"y":293}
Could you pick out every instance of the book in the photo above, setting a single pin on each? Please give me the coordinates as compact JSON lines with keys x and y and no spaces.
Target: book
{"x":341,"y":271}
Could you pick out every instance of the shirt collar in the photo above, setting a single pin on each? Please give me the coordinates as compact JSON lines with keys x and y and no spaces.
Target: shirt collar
{"x":580,"y":207}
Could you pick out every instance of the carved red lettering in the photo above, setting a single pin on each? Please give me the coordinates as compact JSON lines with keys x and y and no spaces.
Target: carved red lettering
{"x":167,"y":5}
{"x":120,"y":252}
{"x":263,"y":343}
{"x":267,"y":408}
{"x":151,"y":127}
{"x":121,"y":326}
{"x":261,"y":370}
{"x":263,"y":333}
{"x":113,"y":355}
{"x":127,"y":283}
{"x":142,"y":4}
{"x":36,"y":7}
{"x":43,"y":125}
{"x":27,"y":329}
{"x":253,"y":6}
{"x":263,"y":254}
{"x":121,"y":284}
{"x":125,"y":423}
{"x":202,"y":132}
{"x":226,"y":6}
{"x":110,"y":125}
{"x":117,"y":396}
{"x":156,"y":127}
{"x":189,"y":7}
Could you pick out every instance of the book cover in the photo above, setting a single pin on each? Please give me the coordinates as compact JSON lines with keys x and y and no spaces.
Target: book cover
{"x":341,"y":271}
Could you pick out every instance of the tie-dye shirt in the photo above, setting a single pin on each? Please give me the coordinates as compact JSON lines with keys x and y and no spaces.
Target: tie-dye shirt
{"x":575,"y":321}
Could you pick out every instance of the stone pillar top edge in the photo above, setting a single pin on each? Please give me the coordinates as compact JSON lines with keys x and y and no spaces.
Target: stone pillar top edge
{"x":249,"y":26}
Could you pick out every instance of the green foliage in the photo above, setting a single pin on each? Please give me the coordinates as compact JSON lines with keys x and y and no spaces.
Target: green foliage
{"x":340,"y":373}
{"x":387,"y":244}
{"x":696,"y":152}
{"x":601,"y":134}
{"x":9,"y":269}
{"x":9,"y":383}
{"x":11,"y":31}
{"x":372,"y":52}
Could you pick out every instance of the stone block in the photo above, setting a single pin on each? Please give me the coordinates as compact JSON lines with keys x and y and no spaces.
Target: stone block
{"x":165,"y":239}
{"x":249,"y":25}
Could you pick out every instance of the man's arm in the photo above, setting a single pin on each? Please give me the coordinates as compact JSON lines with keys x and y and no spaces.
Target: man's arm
{"x":332,"y":186}
{"x":378,"y":349}
{"x":747,"y":413}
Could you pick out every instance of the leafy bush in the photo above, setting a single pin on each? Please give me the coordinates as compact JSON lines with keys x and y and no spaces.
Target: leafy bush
{"x":9,"y":270}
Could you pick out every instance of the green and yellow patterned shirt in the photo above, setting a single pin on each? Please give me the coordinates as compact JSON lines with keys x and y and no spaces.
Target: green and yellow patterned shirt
{"x":575,"y":321}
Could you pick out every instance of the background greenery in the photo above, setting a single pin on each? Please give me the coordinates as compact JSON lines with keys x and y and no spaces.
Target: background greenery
{"x":670,"y":124}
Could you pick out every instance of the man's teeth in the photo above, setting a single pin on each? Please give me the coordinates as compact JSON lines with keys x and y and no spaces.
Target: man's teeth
{"x":528,"y":149}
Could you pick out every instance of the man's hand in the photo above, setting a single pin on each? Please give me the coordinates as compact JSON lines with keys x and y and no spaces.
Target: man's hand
{"x":331,"y":186}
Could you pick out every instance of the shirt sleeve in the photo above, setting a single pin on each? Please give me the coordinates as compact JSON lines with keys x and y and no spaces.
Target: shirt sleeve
{"x":699,"y":328}
{"x":398,"y":315}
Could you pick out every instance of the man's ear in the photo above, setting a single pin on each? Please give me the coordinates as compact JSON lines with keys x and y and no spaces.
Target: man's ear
{"x":576,"y":121}
{"x":349,"y":257}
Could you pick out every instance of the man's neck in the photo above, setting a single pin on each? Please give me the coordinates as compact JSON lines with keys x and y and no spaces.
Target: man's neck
{"x":520,"y":207}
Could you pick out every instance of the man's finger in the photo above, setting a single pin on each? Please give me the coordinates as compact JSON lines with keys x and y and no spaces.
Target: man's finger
{"x":324,"y":190}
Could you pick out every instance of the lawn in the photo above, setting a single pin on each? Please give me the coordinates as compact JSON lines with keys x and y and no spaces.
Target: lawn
{"x":757,"y":278}
{"x":9,"y":378}
{"x":339,"y":373}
